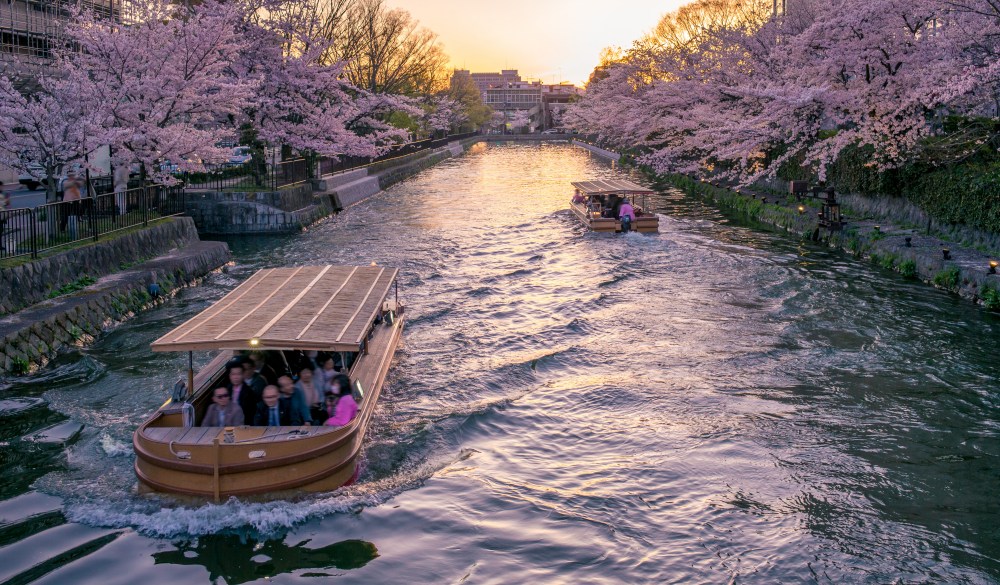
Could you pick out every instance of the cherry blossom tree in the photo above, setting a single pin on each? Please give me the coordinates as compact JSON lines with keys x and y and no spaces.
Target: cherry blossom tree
{"x":166,"y":80}
{"x":304,"y":104}
{"x":53,"y":126}
{"x":722,"y":88}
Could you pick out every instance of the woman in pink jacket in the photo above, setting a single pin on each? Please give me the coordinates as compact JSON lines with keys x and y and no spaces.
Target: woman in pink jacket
{"x":345,"y":409}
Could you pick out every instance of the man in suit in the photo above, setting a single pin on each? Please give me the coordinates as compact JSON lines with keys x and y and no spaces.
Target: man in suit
{"x":222,"y":412}
{"x":271,"y":412}
{"x":295,"y":399}
{"x":252,"y":378}
{"x":240,"y":394}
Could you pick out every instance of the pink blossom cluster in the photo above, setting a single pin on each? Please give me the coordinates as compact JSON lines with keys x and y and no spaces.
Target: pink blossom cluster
{"x":178,"y":79}
{"x":728,"y":88}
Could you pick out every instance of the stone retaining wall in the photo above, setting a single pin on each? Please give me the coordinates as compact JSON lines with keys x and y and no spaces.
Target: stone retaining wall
{"x":963,"y":273}
{"x":29,"y":283}
{"x":29,"y":339}
{"x":285,"y":211}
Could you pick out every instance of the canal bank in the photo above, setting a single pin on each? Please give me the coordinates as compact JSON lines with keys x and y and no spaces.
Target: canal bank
{"x":894,"y":235}
{"x":70,"y":299}
{"x":294,"y":209}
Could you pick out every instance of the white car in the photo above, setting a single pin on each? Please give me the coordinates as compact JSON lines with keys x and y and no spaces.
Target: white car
{"x":241,"y":155}
{"x":33,"y":178}
{"x":553,"y":131}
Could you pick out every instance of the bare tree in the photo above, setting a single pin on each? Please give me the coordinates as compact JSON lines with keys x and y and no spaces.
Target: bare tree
{"x":387,"y":51}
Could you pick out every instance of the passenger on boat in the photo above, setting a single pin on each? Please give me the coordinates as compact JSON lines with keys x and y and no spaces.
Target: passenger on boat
{"x":252,"y":378}
{"x":330,"y":368}
{"x":345,"y":409}
{"x":272,"y":413}
{"x":262,"y":367}
{"x":240,"y":394}
{"x":222,"y":412}
{"x":627,"y":215}
{"x":311,"y":386}
{"x":295,"y":399}
{"x":578,"y":198}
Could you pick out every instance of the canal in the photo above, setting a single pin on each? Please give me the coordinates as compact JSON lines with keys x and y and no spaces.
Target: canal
{"x":715,"y":403}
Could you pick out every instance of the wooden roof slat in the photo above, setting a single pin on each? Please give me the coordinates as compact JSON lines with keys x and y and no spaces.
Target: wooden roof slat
{"x":607,"y":186}
{"x":312,"y":307}
{"x":360,"y":305}
{"x":253,"y":281}
{"x":262,"y":303}
{"x":294,"y":302}
{"x":323,"y":308}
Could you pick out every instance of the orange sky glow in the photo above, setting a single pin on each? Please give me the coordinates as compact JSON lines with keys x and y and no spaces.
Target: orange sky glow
{"x":551,"y":40}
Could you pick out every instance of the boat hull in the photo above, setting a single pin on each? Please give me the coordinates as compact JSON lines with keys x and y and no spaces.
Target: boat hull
{"x":644,"y":224}
{"x":197,"y":461}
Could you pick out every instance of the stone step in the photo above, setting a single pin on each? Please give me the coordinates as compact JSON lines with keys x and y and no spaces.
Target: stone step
{"x":62,"y":433}
{"x":16,"y":406}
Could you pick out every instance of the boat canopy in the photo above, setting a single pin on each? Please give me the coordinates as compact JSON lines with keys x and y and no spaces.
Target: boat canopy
{"x":310,"y":308}
{"x":610,"y":187}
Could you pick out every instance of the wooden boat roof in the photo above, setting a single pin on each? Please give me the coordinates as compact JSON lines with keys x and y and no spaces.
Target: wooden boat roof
{"x":611,"y":186}
{"x":308,"y":307}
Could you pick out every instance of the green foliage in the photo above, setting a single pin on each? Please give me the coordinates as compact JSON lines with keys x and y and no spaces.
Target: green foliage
{"x":74,"y":332}
{"x":19,"y":366}
{"x":78,"y":284}
{"x":948,"y":278}
{"x":990,"y":297}
{"x":966,"y":192}
{"x":889,"y":261}
{"x":908,"y":268}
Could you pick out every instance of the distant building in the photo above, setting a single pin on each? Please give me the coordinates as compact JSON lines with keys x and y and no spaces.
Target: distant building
{"x":507,"y":93}
{"x":485,"y":81}
{"x":31,"y":29}
{"x":29,"y":32}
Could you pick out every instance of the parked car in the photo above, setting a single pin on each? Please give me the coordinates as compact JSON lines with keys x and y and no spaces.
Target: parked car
{"x":241,"y":155}
{"x":33,"y":178}
{"x":553,"y":131}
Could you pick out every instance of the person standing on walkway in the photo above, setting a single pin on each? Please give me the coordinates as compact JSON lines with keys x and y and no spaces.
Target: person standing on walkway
{"x":71,"y":198}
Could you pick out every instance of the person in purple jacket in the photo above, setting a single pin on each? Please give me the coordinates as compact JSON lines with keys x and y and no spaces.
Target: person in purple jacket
{"x":626,"y":214}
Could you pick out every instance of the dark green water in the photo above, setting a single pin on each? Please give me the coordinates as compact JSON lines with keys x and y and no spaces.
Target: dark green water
{"x":712,"y":404}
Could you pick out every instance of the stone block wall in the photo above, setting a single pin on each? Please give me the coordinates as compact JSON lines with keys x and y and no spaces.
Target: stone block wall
{"x":28,"y":342}
{"x":257,"y":213}
{"x":30,"y":283}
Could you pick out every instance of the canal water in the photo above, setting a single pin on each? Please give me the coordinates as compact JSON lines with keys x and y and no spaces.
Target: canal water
{"x":715,"y":403}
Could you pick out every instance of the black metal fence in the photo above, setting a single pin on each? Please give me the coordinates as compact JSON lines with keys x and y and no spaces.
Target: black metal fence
{"x":32,"y":231}
{"x":252,"y":175}
{"x":260,"y":175}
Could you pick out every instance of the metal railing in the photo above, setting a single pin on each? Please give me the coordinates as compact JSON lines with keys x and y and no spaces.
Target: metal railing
{"x":33,"y":231}
{"x":328,"y":166}
{"x":250,"y":176}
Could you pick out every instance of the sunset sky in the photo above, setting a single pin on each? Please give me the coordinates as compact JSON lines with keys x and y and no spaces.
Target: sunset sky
{"x":551,"y":40}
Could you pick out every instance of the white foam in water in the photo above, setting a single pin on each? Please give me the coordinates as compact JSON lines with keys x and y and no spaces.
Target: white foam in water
{"x":265,"y":518}
{"x":113,"y":447}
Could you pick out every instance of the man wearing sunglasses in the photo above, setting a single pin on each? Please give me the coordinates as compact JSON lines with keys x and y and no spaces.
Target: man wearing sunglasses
{"x":222,"y":412}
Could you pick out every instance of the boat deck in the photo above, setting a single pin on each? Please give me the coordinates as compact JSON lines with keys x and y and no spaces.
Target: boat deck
{"x":205,"y":435}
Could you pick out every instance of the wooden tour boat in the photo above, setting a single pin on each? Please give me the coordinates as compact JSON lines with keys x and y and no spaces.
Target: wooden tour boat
{"x":594,"y":201}
{"x":279,"y":312}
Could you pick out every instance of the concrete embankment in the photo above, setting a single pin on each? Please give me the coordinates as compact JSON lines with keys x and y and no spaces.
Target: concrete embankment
{"x":350,"y":187}
{"x":33,"y":335}
{"x":294,"y":209}
{"x":894,"y":235}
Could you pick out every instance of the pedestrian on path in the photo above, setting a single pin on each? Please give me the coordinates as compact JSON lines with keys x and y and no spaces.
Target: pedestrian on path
{"x":71,"y":196}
